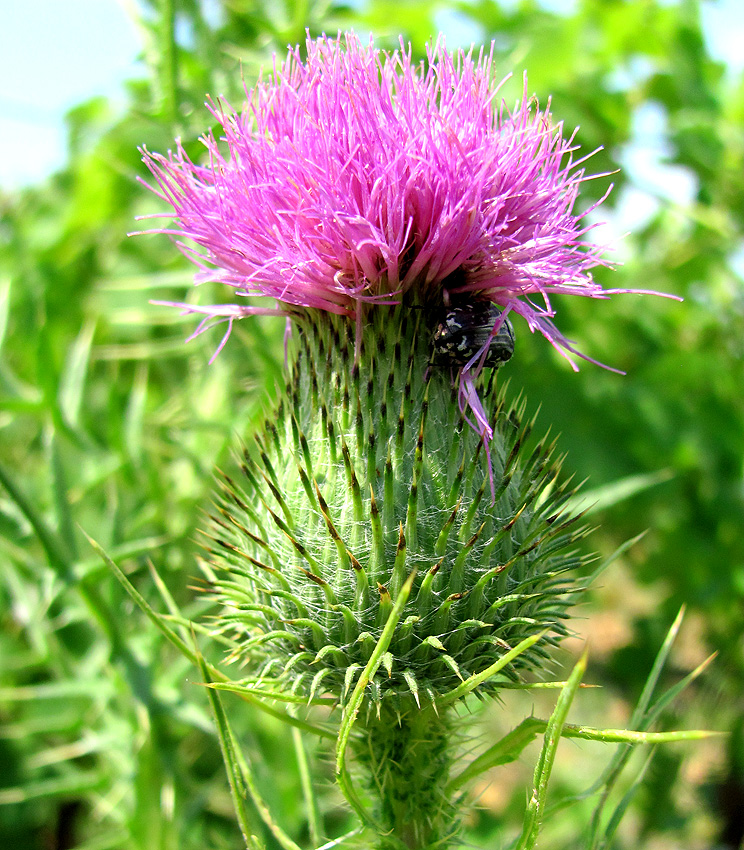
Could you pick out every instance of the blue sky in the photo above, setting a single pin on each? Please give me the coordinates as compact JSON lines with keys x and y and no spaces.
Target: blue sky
{"x":55,"y":53}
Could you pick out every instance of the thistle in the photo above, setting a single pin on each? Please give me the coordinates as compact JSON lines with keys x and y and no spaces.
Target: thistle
{"x":394,"y":540}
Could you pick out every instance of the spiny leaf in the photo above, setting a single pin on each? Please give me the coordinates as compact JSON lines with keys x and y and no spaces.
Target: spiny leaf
{"x":352,"y":707}
{"x":553,"y":730}
{"x":239,"y":775}
{"x":473,"y":682}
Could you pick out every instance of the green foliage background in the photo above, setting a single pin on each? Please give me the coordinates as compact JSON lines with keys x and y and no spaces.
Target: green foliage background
{"x":109,"y":423}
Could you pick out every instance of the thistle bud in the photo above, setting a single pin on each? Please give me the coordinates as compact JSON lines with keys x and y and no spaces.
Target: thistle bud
{"x":366,"y":473}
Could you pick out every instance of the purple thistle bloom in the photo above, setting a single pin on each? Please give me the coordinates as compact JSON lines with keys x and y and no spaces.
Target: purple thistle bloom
{"x":358,"y":176}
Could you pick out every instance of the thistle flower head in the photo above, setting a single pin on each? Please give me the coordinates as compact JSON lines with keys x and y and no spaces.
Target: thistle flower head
{"x":401,"y":215}
{"x":357,"y":176}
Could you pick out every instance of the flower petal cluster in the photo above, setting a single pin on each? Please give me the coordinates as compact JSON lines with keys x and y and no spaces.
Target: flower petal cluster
{"x":356,"y":176}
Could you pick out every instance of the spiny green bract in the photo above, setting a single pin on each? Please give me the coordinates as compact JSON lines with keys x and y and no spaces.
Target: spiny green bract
{"x":366,"y":472}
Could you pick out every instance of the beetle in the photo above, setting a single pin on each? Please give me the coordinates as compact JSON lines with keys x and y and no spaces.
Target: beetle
{"x":466,"y":329}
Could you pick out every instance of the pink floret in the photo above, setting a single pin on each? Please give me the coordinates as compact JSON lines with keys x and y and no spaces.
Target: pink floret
{"x":357,"y":175}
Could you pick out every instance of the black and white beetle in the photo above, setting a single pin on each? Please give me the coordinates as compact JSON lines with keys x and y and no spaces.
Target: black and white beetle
{"x":466,"y":328}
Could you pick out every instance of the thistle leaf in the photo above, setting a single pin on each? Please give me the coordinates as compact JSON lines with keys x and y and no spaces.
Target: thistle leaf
{"x":554,"y":727}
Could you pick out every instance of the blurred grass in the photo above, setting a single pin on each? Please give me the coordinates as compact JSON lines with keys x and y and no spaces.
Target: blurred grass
{"x":110,"y":424}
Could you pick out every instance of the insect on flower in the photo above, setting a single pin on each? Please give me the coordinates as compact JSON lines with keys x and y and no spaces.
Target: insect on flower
{"x":467,"y":330}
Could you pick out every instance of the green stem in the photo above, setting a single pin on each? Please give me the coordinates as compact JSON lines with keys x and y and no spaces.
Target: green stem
{"x":169,"y":61}
{"x":407,"y":753}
